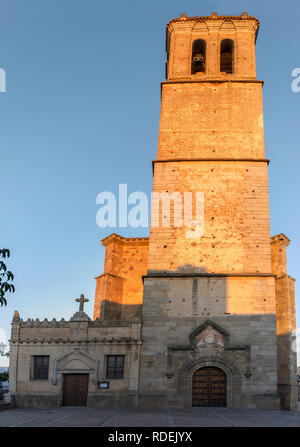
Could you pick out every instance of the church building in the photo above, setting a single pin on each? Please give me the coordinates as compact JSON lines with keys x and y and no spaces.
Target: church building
{"x":184,"y":321}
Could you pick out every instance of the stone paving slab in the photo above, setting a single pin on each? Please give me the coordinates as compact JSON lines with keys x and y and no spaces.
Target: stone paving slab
{"x":138,"y":417}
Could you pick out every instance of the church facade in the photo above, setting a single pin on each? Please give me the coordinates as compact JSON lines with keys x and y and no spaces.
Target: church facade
{"x":184,"y":321}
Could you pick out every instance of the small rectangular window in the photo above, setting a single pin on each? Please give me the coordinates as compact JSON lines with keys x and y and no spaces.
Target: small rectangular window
{"x":41,"y":367}
{"x":115,"y":367}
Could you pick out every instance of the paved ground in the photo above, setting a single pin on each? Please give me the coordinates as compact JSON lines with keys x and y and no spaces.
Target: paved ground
{"x":162,"y":417}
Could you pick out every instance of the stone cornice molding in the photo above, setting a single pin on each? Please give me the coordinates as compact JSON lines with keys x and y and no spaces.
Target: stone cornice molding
{"x":215,"y":79}
{"x":215,"y":18}
{"x":180,"y":160}
{"x":111,"y":275}
{"x":104,"y":340}
{"x":114,"y":237}
{"x":168,"y":274}
{"x":280,"y":239}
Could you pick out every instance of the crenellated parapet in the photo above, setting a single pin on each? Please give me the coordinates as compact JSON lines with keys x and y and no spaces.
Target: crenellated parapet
{"x":80,"y":329}
{"x":30,"y":322}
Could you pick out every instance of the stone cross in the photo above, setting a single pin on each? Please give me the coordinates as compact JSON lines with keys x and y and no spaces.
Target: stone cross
{"x":81,"y":300}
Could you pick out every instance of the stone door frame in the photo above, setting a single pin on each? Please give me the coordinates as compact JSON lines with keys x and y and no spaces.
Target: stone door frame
{"x":84,"y":358}
{"x":214,"y":398}
{"x":64,"y":385}
{"x":87,"y":370}
{"x":233,"y":379}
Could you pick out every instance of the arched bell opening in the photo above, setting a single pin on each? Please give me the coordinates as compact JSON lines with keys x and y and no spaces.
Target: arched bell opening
{"x":198,"y":56}
{"x":227,"y":56}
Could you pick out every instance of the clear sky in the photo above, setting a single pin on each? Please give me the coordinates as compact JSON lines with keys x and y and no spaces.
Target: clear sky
{"x":81,"y":115}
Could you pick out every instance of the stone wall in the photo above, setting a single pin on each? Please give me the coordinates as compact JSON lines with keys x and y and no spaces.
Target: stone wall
{"x":174,"y":308}
{"x":236,"y":234}
{"x":211,"y":120}
{"x":75,"y":346}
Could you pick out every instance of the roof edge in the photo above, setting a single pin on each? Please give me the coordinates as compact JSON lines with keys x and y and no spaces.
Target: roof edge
{"x":114,"y":237}
{"x":214,"y":17}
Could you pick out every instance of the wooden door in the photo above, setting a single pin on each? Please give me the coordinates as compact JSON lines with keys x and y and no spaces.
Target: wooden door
{"x":75,"y":389}
{"x":209,"y":387}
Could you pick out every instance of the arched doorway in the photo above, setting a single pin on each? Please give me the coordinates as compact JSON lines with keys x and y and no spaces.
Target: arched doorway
{"x":209,"y":387}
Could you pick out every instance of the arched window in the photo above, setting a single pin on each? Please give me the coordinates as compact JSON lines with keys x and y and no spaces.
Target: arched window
{"x":226,"y":60}
{"x":167,"y":51}
{"x":198,"y":56}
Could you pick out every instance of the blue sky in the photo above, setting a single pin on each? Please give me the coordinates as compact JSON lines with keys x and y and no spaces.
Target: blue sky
{"x":81,"y":115}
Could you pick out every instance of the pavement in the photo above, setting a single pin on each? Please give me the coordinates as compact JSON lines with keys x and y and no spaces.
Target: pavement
{"x":140,"y":417}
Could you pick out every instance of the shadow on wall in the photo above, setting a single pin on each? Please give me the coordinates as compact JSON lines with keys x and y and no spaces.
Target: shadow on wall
{"x":111,"y":310}
{"x":194,"y":291}
{"x":242,"y":304}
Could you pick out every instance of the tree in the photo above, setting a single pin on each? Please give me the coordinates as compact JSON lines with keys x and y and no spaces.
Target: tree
{"x":5,"y":277}
{"x":4,"y":376}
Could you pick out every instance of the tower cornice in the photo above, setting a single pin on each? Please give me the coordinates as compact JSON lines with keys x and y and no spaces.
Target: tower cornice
{"x":214,"y":18}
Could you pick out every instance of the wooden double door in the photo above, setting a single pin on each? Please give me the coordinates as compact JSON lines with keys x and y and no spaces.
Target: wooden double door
{"x":75,"y":390}
{"x":209,"y":387}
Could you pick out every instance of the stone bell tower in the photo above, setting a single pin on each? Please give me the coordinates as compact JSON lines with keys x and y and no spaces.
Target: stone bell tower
{"x":209,"y":305}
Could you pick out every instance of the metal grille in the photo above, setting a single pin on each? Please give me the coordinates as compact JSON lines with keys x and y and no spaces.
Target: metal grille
{"x":115,"y":367}
{"x":75,"y":389}
{"x":41,"y":367}
{"x":209,"y":387}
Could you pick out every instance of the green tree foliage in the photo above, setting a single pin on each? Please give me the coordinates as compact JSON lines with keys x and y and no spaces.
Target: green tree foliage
{"x":5,"y":277}
{"x":4,"y":377}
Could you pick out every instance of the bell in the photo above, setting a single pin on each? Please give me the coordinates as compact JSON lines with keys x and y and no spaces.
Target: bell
{"x":198,"y":58}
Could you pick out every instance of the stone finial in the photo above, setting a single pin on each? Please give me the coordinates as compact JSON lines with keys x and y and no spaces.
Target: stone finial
{"x":183,"y":15}
{"x":214,"y":14}
{"x":244,"y":14}
{"x":16,"y":317}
